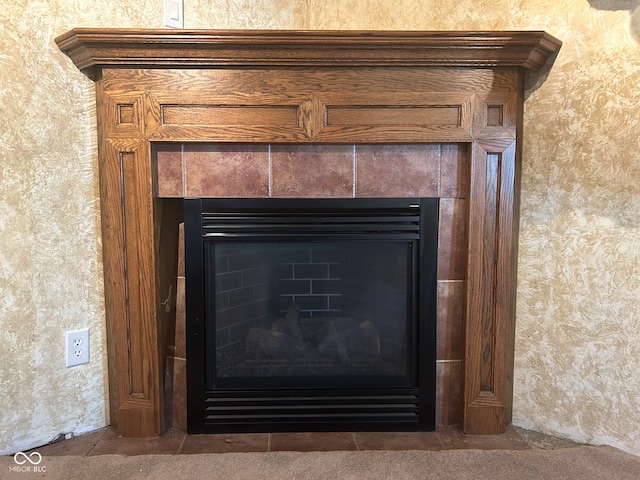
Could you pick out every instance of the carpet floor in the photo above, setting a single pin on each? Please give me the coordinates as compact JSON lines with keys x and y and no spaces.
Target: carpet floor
{"x":580,"y":463}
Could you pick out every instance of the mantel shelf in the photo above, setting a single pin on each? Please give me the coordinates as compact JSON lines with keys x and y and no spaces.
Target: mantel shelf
{"x":92,"y":49}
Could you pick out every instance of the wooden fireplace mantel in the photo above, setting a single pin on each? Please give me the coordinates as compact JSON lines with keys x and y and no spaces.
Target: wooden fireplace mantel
{"x":92,"y":49}
{"x":305,"y":87}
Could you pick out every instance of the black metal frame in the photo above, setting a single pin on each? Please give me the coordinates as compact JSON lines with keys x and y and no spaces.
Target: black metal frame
{"x":352,"y":408}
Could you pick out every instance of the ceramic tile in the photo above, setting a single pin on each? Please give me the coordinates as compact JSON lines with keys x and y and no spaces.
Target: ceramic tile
{"x":106,"y":442}
{"x":397,"y":441}
{"x":169,"y":181}
{"x":397,"y":170}
{"x":312,"y":171}
{"x":179,"y":393}
{"x":168,"y":391}
{"x":454,"y":170}
{"x":312,"y":441}
{"x":452,"y":239}
{"x":112,"y":444}
{"x":180,"y":338}
{"x":450,"y":336}
{"x":77,"y":446}
{"x":180,"y":250}
{"x":449,"y":392}
{"x":543,"y":441}
{"x":214,"y":170}
{"x":454,"y":438}
{"x":224,"y":443}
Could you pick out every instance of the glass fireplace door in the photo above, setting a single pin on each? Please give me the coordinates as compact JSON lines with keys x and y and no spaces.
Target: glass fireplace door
{"x":309,"y":314}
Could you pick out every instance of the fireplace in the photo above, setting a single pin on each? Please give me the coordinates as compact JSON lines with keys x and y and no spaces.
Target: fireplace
{"x":330,"y":89}
{"x":311,"y":314}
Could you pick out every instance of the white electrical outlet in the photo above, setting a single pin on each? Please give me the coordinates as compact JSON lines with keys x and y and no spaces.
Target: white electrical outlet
{"x":174,"y":13}
{"x":77,"y":351}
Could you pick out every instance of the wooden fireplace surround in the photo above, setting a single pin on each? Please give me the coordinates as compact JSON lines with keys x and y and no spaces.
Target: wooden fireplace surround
{"x":305,"y":87}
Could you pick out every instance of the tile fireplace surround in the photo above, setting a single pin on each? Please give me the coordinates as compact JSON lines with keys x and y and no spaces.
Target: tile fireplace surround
{"x":311,"y":114}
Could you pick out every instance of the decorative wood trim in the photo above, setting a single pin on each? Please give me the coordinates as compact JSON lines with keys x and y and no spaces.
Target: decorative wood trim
{"x":496,"y":116}
{"x":129,"y":264}
{"x":304,"y":87}
{"x":490,"y":285}
{"x":91,"y":48}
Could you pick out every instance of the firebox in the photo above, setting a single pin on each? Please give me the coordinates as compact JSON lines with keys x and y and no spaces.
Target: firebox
{"x":310,"y":314}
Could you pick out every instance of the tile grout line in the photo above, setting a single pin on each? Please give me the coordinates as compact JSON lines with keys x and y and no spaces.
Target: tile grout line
{"x":355,"y":441}
{"x":181,"y":447}
{"x":439,"y":170}
{"x":184,"y":171}
{"x":269,"y":443}
{"x":354,"y":190}
{"x":97,"y":442}
{"x":438,"y":437}
{"x":270,"y":176}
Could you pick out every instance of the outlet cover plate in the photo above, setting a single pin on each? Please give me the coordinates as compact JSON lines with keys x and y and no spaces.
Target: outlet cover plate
{"x":174,"y":13}
{"x":77,"y":347}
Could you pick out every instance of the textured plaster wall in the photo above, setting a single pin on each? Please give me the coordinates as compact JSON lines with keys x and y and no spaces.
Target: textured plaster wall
{"x":578,"y":331}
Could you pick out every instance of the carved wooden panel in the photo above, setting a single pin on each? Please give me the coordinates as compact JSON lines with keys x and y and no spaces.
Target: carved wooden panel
{"x":311,"y":106}
{"x":129,"y":263}
{"x":490,"y":276}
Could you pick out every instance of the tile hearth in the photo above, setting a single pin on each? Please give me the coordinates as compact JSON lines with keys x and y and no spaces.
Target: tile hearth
{"x":107,"y":442}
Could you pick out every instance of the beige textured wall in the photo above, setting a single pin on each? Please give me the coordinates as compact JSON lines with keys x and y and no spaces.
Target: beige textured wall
{"x":578,"y":334}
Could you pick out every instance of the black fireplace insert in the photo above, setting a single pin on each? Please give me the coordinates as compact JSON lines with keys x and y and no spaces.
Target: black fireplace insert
{"x":310,"y":314}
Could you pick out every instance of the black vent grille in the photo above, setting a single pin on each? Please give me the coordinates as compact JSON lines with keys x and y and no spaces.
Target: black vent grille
{"x":301,"y":409}
{"x":404,"y":226}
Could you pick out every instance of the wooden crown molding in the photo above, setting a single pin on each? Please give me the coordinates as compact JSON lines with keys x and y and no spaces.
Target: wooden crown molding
{"x":92,"y":49}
